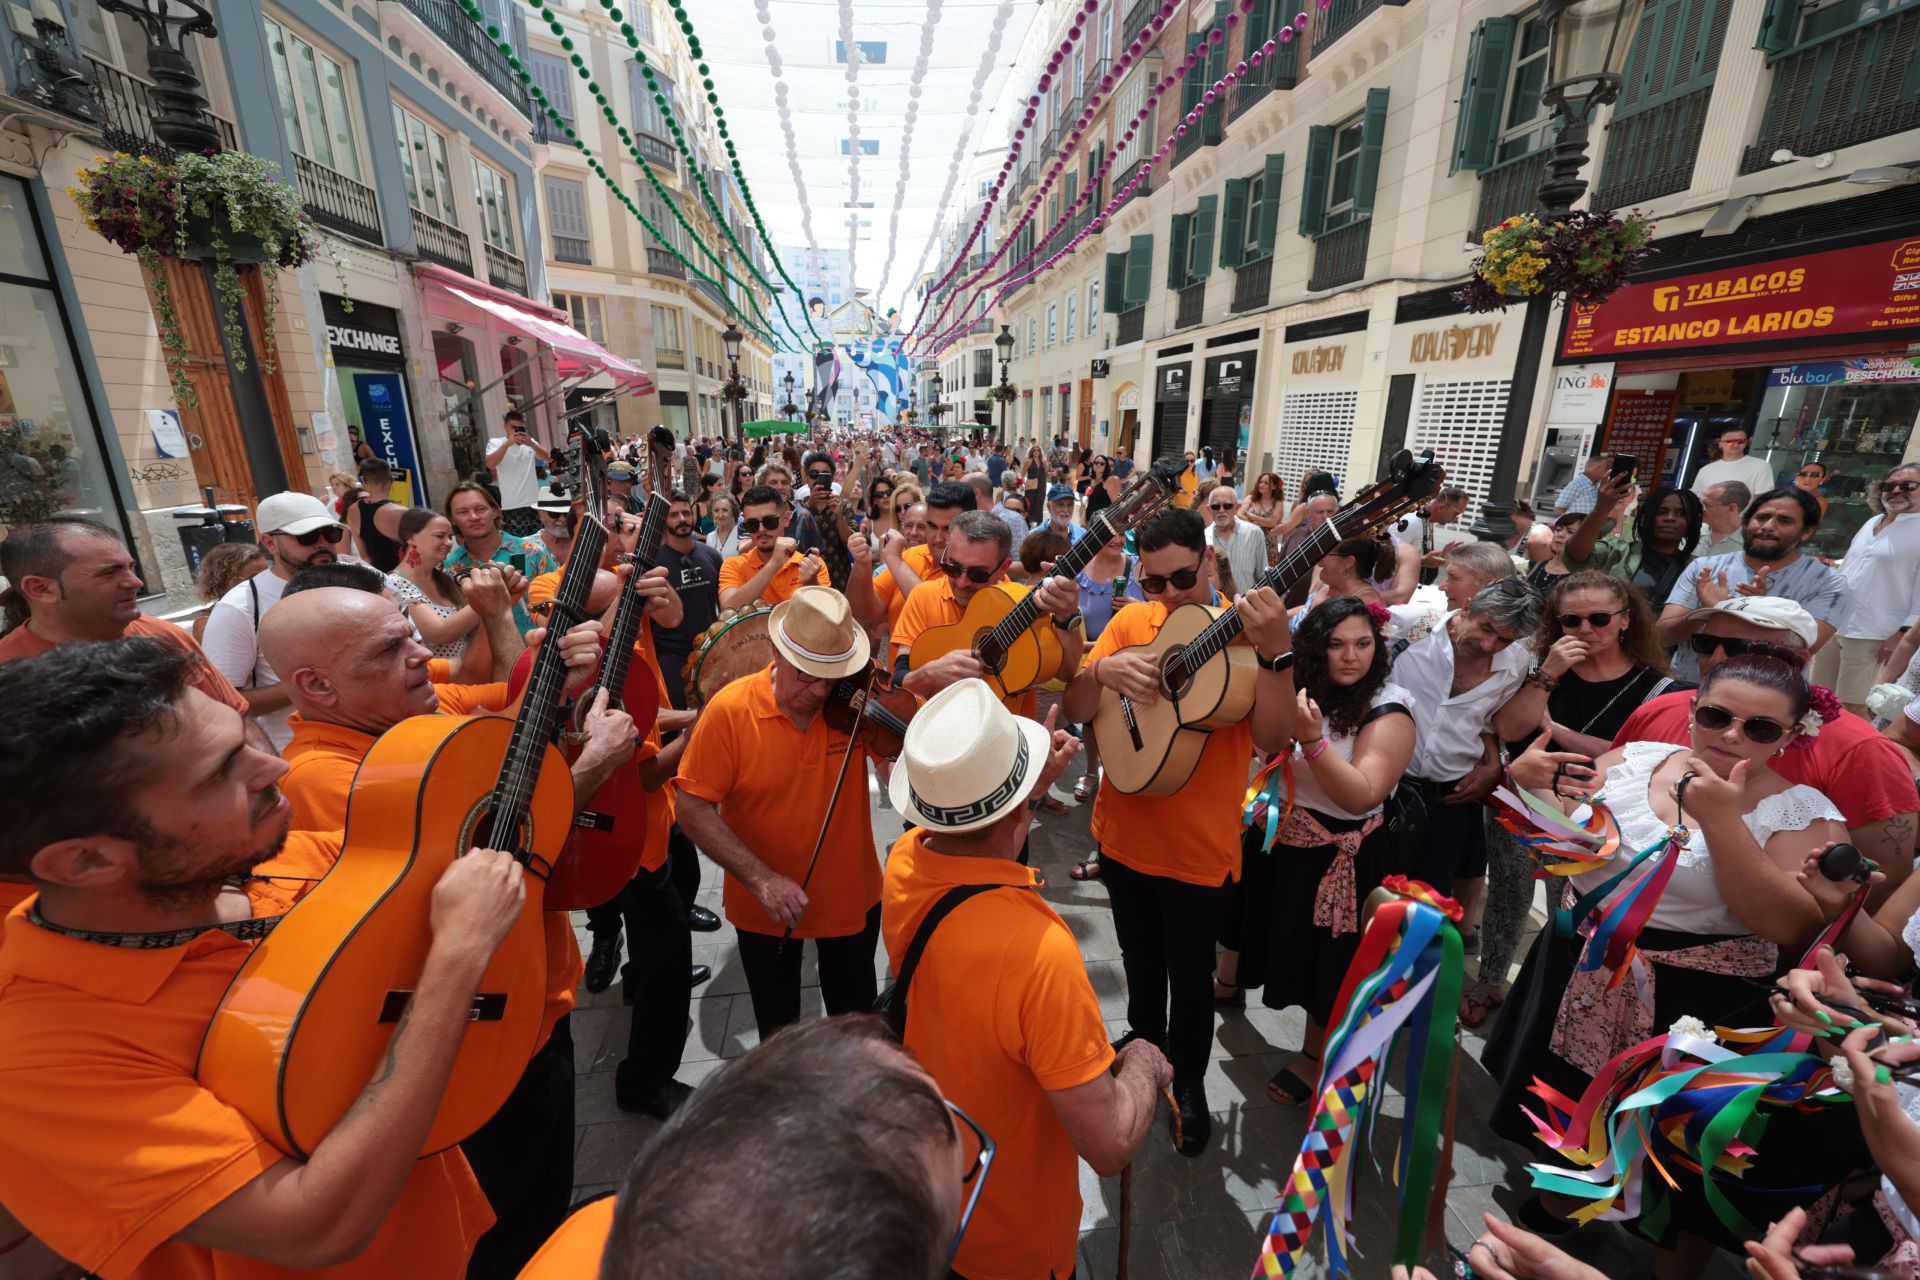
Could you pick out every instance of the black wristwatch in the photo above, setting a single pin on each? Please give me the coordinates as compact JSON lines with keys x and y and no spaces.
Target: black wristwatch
{"x":1282,"y":663}
{"x":1070,"y":622}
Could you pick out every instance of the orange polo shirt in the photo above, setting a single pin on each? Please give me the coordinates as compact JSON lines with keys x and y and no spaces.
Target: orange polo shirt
{"x":773,"y":784}
{"x":931,"y":604}
{"x":1194,"y":834}
{"x":920,"y":560}
{"x":738,"y":571}
{"x":574,"y":1251}
{"x":1001,"y":1014}
{"x":321,"y":762}
{"x":12,"y":894}
{"x":21,"y":642}
{"x":109,"y":1147}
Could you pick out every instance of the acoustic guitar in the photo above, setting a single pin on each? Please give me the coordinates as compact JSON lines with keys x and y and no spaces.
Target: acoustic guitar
{"x":1206,"y":681}
{"x":307,"y":1019}
{"x":1002,"y":627}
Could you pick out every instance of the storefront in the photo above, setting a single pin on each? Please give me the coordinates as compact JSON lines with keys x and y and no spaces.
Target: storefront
{"x":1226,"y":404}
{"x":1814,"y":355}
{"x":1319,"y":403}
{"x":1447,"y":391}
{"x":369,"y":362}
{"x":1172,"y":386}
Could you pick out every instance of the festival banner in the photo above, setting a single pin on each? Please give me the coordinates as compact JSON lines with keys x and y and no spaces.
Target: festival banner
{"x":1869,"y":290}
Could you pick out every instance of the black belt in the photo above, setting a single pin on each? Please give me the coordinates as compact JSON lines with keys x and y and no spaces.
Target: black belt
{"x":1430,"y":787}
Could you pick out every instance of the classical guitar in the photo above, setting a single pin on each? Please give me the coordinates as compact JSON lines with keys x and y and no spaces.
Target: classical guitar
{"x":306,"y":1022}
{"x":1207,"y":681}
{"x":1002,"y":627}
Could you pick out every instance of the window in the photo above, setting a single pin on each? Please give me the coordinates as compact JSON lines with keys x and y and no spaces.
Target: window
{"x":1250,"y":233}
{"x":642,"y":15}
{"x":1501,"y":116}
{"x":1525,"y":128}
{"x":660,"y":214}
{"x":567,"y":219}
{"x":983,"y":368}
{"x":648,"y":118}
{"x":868,"y":147}
{"x":1250,"y":214}
{"x":1343,"y":168}
{"x":1347,"y":137}
{"x":1053,"y":324}
{"x":313,"y":100}
{"x":1093,"y":300}
{"x":1033,"y":335}
{"x":586,"y":312}
{"x":1190,"y":255}
{"x":1132,"y":96}
{"x":1073,"y":300}
{"x":554,"y":75}
{"x":1046,"y":415}
{"x":494,"y":190}
{"x":1105,"y":47}
{"x":666,"y":331}
{"x":423,"y":165}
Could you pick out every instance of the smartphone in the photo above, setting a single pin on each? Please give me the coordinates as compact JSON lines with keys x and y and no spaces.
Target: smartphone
{"x":518,"y":560}
{"x":1624,"y":464}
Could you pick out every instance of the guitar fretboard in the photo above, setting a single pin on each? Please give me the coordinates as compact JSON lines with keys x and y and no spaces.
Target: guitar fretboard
{"x":632,"y":611}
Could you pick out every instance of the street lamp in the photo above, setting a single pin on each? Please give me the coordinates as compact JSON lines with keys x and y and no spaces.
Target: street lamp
{"x":734,"y":391}
{"x":788,"y":408}
{"x":182,"y":121}
{"x":1004,"y":345}
{"x":1588,"y":42}
{"x":939,"y":390}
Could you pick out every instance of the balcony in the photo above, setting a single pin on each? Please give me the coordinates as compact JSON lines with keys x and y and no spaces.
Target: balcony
{"x":1070,"y":115}
{"x":440,"y":242}
{"x":337,"y":201}
{"x":1278,"y":72}
{"x":1343,"y":17}
{"x":979,"y":260}
{"x":127,"y":112}
{"x":1650,"y":153}
{"x":669,"y":358}
{"x":1139,"y":14}
{"x":657,"y":152}
{"x":1193,"y":304}
{"x":1126,"y":176}
{"x":1340,"y":257}
{"x":1849,"y":86}
{"x":980,"y":327}
{"x":664,"y":262}
{"x":545,"y":130}
{"x":1095,"y":74}
{"x":504,"y":270}
{"x":1507,"y":188}
{"x":1133,"y":326}
{"x":716,"y":294}
{"x":1207,"y":133}
{"x":572,"y":249}
{"x":469,"y":40}
{"x":1252,"y":284}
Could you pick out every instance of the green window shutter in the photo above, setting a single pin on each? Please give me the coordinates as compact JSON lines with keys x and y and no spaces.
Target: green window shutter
{"x":1113,"y":294}
{"x":1313,"y":193}
{"x":1779,"y":26}
{"x":1203,"y":220}
{"x":1270,"y":201}
{"x":1191,"y":89}
{"x":1139,"y":271}
{"x":1177,"y":242}
{"x":1233,"y":222}
{"x":1374,"y":132}
{"x":1259,"y":18}
{"x":1489,"y":55}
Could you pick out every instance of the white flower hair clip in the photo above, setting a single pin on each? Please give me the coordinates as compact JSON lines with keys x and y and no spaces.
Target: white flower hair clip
{"x":1810,"y":724}
{"x":1688,"y":1025}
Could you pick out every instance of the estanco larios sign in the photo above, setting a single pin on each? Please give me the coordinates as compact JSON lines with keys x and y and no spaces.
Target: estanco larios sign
{"x":1868,"y":289}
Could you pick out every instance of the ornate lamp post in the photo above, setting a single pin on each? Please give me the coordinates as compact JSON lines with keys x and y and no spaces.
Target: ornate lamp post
{"x":182,"y":121}
{"x":789,"y":408}
{"x":939,"y":390}
{"x":1004,"y":345}
{"x":734,"y":391}
{"x":1588,"y":43}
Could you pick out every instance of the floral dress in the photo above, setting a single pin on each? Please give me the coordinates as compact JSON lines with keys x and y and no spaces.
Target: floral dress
{"x":403,"y":590}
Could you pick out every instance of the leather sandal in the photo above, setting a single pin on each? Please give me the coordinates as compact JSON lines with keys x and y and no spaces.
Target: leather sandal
{"x":1289,"y":1089}
{"x":1088,"y":868}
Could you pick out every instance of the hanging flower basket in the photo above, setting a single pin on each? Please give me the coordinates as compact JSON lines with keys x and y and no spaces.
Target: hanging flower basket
{"x":1583,"y":257}
{"x":1003,"y":395}
{"x":228,"y":208}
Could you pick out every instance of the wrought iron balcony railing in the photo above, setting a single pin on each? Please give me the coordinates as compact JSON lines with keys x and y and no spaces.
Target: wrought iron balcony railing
{"x":337,"y":201}
{"x":1849,"y":86}
{"x":441,"y":242}
{"x":464,"y":37}
{"x":1340,"y":257}
{"x":504,"y":270}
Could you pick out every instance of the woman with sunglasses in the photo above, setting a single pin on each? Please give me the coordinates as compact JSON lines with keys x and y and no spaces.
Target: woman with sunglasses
{"x":1730,"y":909}
{"x":1102,"y":486}
{"x":880,"y":517}
{"x":1882,"y":569}
{"x":1810,"y":477}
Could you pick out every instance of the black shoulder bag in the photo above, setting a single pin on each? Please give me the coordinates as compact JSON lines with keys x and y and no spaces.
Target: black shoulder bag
{"x":892,"y":1004}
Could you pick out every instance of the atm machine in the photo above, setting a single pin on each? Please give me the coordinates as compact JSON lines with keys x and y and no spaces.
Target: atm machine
{"x":1562,"y":455}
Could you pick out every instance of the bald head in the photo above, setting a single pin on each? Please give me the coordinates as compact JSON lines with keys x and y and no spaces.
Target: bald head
{"x":347,"y":658}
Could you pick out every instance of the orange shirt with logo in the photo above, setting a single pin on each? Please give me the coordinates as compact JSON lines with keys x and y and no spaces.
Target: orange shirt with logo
{"x":773,"y":784}
{"x":920,"y":560}
{"x":21,"y":642}
{"x":109,"y":1147}
{"x":931,"y":604}
{"x":1192,"y":835}
{"x":738,"y":571}
{"x":1001,"y":1014}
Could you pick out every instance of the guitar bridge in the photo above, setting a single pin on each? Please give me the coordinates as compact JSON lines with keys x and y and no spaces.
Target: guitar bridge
{"x":1133,"y":722}
{"x":488,"y":1006}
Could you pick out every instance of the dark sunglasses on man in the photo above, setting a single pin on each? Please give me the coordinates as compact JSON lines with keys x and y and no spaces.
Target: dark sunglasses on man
{"x":1180,"y":580}
{"x":330,"y":534}
{"x":1222,"y":506}
{"x":749,"y":524}
{"x":975,"y":574}
{"x":1899,"y":486}
{"x":1706,"y":646}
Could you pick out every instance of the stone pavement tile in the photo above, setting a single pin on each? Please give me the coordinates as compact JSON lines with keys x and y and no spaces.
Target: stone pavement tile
{"x":1110,"y":985}
{"x":606,"y":1149}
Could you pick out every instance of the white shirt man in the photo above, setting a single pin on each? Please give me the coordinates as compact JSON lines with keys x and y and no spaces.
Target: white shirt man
{"x":512,"y":457}
{"x":1242,"y":545}
{"x":1734,"y":464}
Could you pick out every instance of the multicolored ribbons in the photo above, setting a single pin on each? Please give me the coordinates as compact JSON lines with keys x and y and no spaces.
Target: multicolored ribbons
{"x":1558,"y":845}
{"x":1405,"y":979}
{"x":1264,"y":804}
{"x":1684,"y":1104}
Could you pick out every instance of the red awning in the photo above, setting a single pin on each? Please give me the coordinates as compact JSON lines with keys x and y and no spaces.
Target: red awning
{"x":575,"y":354}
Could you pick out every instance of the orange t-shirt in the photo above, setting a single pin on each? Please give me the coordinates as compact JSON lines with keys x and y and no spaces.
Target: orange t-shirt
{"x":321,"y":762}
{"x":109,"y":1147}
{"x":738,"y":571}
{"x":920,"y":560}
{"x":574,"y":1251}
{"x":1002,"y":1013}
{"x":1194,"y":834}
{"x":931,"y":604}
{"x":772,"y":784}
{"x":21,"y":642}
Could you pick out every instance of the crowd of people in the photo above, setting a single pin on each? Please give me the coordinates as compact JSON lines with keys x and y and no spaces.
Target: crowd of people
{"x":177,"y":791}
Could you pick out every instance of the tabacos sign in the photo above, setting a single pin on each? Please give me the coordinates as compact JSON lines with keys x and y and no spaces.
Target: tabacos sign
{"x":1869,"y":289}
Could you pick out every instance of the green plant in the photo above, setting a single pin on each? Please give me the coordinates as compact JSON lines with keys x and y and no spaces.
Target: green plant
{"x":229,"y":207}
{"x":1584,"y":256}
{"x":1003,"y":394}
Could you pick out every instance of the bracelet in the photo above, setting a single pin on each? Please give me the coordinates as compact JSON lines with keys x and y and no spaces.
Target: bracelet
{"x":1315,"y":749}
{"x":1093,"y":669}
{"x":1539,"y":679}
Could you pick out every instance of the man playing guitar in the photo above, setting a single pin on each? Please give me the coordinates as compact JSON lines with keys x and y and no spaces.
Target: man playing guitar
{"x":159,"y":842}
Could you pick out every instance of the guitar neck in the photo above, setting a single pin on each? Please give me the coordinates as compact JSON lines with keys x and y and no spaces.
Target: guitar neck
{"x":539,"y":714}
{"x":632,"y":612}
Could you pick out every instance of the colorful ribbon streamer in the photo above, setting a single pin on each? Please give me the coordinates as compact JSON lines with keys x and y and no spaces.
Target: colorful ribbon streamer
{"x":1263,"y":804}
{"x":1405,"y":978}
{"x":1558,"y":845}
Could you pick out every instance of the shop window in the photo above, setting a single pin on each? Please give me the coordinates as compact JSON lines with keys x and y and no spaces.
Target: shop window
{"x":1343,"y":168}
{"x":424,"y":167}
{"x":585,"y":310}
{"x":459,"y":374}
{"x":315,"y":99}
{"x":494,"y":191}
{"x":1859,"y":429}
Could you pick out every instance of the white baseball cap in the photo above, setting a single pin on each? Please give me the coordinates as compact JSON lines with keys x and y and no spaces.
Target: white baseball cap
{"x":292,"y":513}
{"x":1776,"y":613}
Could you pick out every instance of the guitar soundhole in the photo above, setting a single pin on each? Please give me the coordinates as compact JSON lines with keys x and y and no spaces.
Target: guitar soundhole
{"x":479,"y":834}
{"x":1175,"y":679}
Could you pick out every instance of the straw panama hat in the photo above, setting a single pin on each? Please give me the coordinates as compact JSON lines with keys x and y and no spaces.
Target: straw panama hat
{"x":815,"y":631}
{"x":968,"y":761}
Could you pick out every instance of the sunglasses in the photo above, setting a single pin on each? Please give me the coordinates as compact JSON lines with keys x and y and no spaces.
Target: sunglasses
{"x":1758,"y":729}
{"x":1180,"y":580}
{"x":770,"y":523}
{"x":1222,"y":506}
{"x":1809,"y":471}
{"x":1706,"y":646}
{"x":1899,"y":486}
{"x":974,"y":573}
{"x":330,"y":535}
{"x":1572,"y":621}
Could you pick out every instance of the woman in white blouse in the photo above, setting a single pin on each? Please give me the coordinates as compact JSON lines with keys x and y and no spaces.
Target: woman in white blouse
{"x":725,"y":537}
{"x":1882,"y":570}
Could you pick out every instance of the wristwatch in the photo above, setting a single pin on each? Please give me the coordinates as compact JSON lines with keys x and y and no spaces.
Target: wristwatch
{"x":1282,"y":663}
{"x":1069,"y":622}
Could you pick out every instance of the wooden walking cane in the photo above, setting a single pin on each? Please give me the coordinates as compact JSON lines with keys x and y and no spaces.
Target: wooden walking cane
{"x":1126,"y":1192}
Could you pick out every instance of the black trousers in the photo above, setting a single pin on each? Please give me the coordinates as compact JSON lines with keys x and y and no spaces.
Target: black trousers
{"x":682,"y":858}
{"x":1455,"y":843}
{"x":847,"y":982}
{"x":523,"y":1159}
{"x":659,"y":949}
{"x":1166,"y":929}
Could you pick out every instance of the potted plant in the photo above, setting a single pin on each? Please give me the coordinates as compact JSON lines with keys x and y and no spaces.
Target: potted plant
{"x":229,"y":208}
{"x":1003,"y":394}
{"x":1584,"y":257}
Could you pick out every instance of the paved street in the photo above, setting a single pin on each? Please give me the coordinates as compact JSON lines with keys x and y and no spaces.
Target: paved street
{"x":1191,"y":1217}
